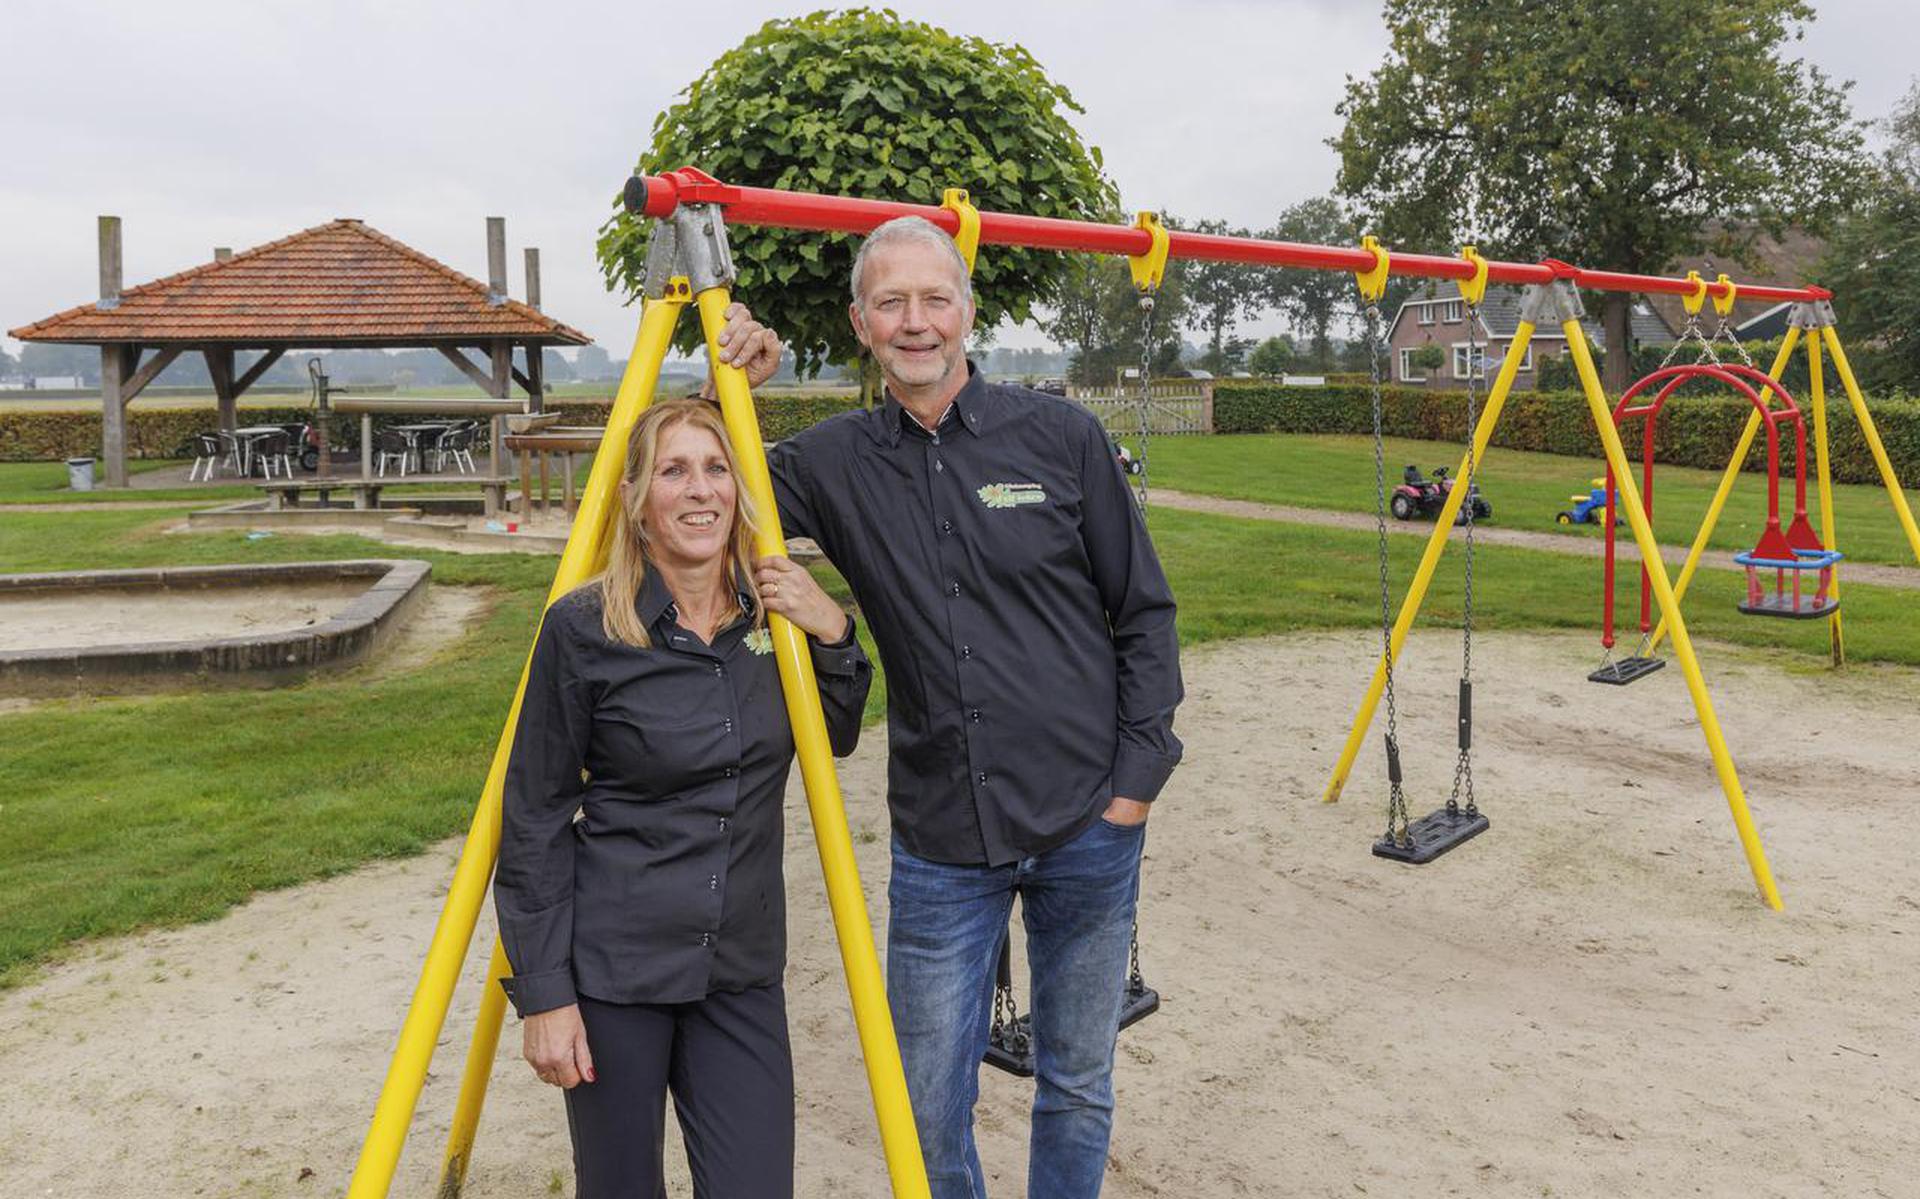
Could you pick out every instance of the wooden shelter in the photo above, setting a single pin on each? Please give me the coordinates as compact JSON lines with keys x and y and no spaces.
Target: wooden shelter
{"x":342,"y":285}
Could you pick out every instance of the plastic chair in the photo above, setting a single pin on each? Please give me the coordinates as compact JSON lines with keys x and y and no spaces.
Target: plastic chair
{"x":389,"y":444}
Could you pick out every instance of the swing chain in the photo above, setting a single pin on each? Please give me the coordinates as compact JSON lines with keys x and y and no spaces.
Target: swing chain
{"x":1463,"y":766}
{"x":1397,"y":819}
{"x":1145,"y":406}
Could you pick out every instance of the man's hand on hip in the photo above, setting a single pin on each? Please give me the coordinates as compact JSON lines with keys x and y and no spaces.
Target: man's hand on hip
{"x":1126,"y":812}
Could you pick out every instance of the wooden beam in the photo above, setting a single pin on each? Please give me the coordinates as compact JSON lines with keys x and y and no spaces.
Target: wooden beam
{"x":536,"y":379}
{"x":254,"y":372}
{"x":458,"y":357}
{"x":161,"y":360}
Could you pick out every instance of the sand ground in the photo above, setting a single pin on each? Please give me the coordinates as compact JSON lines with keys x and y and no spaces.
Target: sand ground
{"x":1588,"y":1001}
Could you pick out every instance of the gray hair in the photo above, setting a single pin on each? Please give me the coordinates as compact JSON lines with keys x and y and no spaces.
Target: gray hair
{"x":910,"y":229}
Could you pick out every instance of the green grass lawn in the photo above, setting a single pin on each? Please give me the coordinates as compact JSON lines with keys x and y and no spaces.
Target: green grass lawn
{"x":121,"y":813}
{"x":1525,"y":489}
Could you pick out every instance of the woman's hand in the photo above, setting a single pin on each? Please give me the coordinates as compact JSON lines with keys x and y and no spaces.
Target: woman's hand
{"x":786,"y":587}
{"x":555,"y":1045}
{"x":749,"y":345}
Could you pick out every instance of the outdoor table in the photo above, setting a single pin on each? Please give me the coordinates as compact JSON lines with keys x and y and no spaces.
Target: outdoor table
{"x":246,"y":436}
{"x":416,"y":435}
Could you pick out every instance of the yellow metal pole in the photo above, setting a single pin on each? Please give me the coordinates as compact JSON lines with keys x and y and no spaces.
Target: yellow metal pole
{"x":885,"y":1077}
{"x":1436,"y":545}
{"x":585,"y":556}
{"x":1670,"y":608}
{"x":475,"y":1076}
{"x":1860,"y":413}
{"x":407,"y":1073}
{"x":1727,"y":479}
{"x":1829,"y":534}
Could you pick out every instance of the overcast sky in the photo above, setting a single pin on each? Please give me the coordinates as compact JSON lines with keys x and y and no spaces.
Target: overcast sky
{"x":232,"y":124}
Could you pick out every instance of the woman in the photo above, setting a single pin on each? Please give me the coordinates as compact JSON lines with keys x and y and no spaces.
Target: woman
{"x":648,"y":936}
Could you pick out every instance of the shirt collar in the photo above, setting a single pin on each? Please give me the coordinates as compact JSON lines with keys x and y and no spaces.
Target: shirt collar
{"x":655,"y":603}
{"x":972,"y":408}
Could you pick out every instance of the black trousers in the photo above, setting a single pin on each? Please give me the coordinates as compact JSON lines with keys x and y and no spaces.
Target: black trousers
{"x":728,"y":1063}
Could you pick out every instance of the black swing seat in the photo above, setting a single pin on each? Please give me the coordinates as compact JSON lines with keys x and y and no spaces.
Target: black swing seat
{"x":1432,"y":835}
{"x":1626,"y":670}
{"x":1010,"y":1046}
{"x":1774,"y":604}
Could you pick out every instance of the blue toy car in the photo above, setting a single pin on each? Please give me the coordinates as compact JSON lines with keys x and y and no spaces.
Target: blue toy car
{"x":1588,"y":509}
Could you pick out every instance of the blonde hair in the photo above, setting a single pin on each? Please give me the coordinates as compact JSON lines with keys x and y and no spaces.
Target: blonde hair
{"x":627,"y":560}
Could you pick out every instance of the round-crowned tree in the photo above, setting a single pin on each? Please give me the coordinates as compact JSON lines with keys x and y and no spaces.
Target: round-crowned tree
{"x":863,"y":103}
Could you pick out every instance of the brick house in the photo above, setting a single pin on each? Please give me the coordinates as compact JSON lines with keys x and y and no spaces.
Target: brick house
{"x":1442,"y":321}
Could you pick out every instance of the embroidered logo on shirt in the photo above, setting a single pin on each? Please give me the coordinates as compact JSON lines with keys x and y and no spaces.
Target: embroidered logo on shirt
{"x":1011,"y":495}
{"x":760,"y":641}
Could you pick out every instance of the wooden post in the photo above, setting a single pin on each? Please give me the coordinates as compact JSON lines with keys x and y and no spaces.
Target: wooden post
{"x":109,"y":262}
{"x":496,"y":260}
{"x":366,"y":446}
{"x":536,"y":378}
{"x":220,"y":367}
{"x":502,"y":387}
{"x":113,"y":411}
{"x":536,"y":365}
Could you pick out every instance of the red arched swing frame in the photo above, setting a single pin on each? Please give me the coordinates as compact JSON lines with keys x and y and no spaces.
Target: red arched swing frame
{"x":1795,"y":548}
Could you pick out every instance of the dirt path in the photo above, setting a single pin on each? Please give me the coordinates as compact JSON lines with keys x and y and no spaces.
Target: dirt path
{"x":1552,"y":543}
{"x":1587,"y":1001}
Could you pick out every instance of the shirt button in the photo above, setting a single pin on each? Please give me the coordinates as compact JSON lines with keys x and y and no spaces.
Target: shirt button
{"x":723,"y":824}
{"x":706,"y":938}
{"x":719,"y":670}
{"x":713,"y":882}
{"x":976,"y":715}
{"x":955,"y":589}
{"x":946,"y":526}
{"x":730,"y":772}
{"x":983,"y":777}
{"x":939,"y":465}
{"x":966,"y":651}
{"x":729,"y":724}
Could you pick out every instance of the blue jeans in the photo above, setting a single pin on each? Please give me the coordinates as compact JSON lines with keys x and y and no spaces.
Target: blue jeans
{"x":943,"y":943}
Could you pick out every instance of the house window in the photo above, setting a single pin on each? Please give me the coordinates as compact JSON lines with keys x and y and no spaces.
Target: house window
{"x":1451,"y":312}
{"x":1408,"y":372}
{"x":1488,"y":355}
{"x":1426,"y":313}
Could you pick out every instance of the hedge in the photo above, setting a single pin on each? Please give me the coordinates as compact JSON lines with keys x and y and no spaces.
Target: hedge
{"x":1695,"y":431}
{"x":29,"y":436}
{"x":1869,"y":363}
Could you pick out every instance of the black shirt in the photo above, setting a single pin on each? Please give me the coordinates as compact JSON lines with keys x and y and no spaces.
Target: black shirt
{"x":1020,"y":611}
{"x":668,"y":887}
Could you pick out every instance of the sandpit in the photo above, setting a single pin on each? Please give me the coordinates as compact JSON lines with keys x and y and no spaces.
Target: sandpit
{"x":113,"y":616}
{"x":90,"y":632}
{"x":1589,"y":1000}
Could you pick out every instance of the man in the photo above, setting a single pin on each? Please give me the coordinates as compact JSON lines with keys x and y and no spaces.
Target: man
{"x":1032,"y":672}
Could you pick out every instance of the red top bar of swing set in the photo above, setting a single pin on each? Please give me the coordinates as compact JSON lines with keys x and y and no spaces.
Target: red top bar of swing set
{"x":659,"y":195}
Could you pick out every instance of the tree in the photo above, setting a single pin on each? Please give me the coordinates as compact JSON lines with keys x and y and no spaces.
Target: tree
{"x":864,"y":103}
{"x":1221,"y":294}
{"x":1098,"y":316}
{"x":1615,"y":133}
{"x":1873,"y":260}
{"x":1311,"y":300}
{"x":1274,"y":356}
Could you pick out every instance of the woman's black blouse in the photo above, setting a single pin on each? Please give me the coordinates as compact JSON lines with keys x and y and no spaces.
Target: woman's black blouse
{"x":667,"y":886}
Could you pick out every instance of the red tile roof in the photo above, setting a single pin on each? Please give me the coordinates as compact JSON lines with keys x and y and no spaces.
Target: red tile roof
{"x":341,"y":283}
